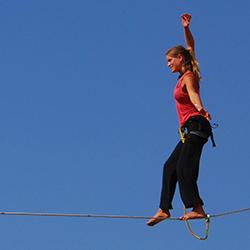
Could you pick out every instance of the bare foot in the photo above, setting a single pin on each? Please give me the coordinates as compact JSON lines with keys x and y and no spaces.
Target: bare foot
{"x":159,"y":216}
{"x":197,"y":213}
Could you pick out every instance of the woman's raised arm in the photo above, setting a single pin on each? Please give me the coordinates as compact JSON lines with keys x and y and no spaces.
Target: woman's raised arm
{"x":185,"y":19}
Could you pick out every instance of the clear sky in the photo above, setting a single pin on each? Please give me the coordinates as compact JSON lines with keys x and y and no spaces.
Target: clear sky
{"x":88,"y":119}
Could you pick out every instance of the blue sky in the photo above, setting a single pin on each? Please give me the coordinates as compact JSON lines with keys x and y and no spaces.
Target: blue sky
{"x":88,"y":119}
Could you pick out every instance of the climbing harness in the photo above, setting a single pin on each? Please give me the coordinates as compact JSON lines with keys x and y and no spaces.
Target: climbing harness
{"x":184,"y":131}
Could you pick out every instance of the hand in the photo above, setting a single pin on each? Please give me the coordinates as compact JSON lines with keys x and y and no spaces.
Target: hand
{"x":185,"y":19}
{"x":205,"y":114}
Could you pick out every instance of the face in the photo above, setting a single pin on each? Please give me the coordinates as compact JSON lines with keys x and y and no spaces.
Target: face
{"x":174,"y":63}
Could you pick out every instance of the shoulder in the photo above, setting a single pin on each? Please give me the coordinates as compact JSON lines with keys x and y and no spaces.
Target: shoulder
{"x":190,"y":79}
{"x":190,"y":76}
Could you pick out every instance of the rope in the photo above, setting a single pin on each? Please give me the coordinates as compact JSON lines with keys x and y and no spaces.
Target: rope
{"x":207,"y":219}
{"x":230,"y":212}
{"x":106,"y":216}
{"x":197,"y":236}
{"x":109,"y":216}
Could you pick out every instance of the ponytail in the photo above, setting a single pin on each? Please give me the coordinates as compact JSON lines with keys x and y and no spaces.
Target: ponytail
{"x":194,"y":64}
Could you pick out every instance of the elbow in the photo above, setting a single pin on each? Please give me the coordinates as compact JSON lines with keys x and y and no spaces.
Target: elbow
{"x":196,"y":101}
{"x":190,"y":48}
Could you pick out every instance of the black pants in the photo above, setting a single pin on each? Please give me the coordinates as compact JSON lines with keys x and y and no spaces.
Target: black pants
{"x":183,"y":166}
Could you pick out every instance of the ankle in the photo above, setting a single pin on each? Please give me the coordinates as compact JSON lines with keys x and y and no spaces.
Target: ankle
{"x":198,"y":208}
{"x":163,"y":211}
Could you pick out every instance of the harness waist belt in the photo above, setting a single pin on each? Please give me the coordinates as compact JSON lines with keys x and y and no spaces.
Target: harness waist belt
{"x":200,"y":134}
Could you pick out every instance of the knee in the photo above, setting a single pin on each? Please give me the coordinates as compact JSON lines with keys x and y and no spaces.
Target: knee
{"x":186,"y":176}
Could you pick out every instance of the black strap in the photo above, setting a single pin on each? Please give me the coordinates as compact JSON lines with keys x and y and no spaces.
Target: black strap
{"x":199,"y":131}
{"x":212,"y":139}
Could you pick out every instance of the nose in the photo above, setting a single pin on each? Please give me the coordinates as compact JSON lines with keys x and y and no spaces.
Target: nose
{"x":168,"y":64}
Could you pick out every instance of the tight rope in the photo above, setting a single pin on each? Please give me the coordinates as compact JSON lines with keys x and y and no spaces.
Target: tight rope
{"x":106,"y":216}
{"x":109,"y":216}
{"x":230,"y":212}
{"x":98,"y":216}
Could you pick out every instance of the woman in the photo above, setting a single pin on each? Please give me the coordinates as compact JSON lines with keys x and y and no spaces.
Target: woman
{"x":183,"y":164}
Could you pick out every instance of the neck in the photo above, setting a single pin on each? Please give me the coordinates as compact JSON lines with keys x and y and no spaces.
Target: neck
{"x":183,"y":70}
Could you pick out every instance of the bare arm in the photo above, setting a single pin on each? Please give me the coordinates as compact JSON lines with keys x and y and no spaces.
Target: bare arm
{"x":185,"y":19}
{"x":193,"y":92}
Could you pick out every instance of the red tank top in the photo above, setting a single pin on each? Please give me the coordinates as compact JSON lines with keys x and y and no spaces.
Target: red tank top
{"x":184,"y":106}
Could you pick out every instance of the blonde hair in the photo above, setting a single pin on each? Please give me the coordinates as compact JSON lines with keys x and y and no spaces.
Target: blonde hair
{"x":190,"y":62}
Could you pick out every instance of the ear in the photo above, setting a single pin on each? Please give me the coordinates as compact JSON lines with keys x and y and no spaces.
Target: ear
{"x":181,"y":58}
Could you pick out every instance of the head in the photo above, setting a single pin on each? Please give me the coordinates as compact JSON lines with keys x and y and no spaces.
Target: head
{"x":181,"y":59}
